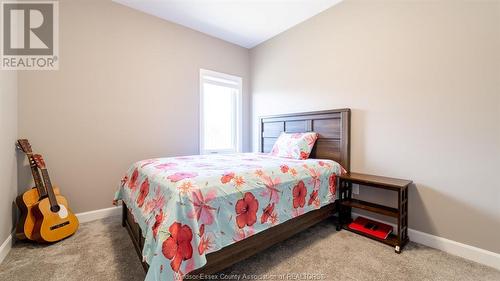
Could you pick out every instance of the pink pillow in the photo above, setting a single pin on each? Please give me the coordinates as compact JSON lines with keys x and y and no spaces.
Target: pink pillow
{"x":296,"y":145}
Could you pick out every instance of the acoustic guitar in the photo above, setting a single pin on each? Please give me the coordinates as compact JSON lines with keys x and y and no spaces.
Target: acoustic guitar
{"x":30,"y":197}
{"x":54,"y":220}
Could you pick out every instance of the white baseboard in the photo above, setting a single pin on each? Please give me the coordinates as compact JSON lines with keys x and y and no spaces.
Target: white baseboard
{"x":449,"y":246}
{"x":98,"y":214}
{"x":5,"y":247}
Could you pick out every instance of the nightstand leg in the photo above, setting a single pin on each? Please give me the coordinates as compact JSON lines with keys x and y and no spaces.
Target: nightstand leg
{"x":397,"y":249}
{"x":349,"y":196}
{"x":405,"y":216}
{"x":340,"y":207}
{"x":345,"y":194}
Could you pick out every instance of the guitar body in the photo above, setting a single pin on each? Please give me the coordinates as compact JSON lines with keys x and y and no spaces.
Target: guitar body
{"x":53,"y":226}
{"x":25,"y":202}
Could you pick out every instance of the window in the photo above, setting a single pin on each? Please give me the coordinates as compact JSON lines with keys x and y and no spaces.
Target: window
{"x":220,"y":112}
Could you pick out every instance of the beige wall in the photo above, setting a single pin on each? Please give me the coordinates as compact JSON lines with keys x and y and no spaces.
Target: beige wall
{"x":8,"y":133}
{"x":126,"y":90}
{"x":423,"y":81}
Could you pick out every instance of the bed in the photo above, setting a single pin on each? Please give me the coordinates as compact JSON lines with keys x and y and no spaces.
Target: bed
{"x":200,"y":214}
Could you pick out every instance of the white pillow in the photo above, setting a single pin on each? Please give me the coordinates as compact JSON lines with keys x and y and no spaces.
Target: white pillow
{"x":294,"y":145}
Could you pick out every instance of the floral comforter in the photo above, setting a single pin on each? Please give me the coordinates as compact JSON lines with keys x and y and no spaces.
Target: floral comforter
{"x":190,"y":206}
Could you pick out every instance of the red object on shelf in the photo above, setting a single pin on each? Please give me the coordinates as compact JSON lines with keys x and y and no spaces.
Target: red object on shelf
{"x":370,"y":227}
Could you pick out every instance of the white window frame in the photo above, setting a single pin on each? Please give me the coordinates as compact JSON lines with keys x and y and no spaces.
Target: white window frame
{"x":222,"y":79}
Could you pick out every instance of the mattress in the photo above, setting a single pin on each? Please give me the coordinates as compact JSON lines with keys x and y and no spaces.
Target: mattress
{"x":190,"y":206}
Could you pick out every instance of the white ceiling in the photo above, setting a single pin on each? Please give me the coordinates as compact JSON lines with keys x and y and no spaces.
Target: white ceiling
{"x":244,"y":22}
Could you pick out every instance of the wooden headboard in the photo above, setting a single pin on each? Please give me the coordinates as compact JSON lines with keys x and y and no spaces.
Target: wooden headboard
{"x":333,"y":127}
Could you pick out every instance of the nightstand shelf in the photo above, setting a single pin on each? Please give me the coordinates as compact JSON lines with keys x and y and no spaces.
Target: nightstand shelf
{"x":371,"y":207}
{"x":399,"y":239}
{"x":391,"y":240}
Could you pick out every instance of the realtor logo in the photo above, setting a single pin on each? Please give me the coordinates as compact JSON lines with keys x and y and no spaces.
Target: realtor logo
{"x":30,"y":35}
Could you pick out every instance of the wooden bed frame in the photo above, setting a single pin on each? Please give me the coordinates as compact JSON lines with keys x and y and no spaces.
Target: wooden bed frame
{"x":333,"y":127}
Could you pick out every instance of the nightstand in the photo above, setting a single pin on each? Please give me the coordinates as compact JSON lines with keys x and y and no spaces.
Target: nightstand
{"x":399,"y":240}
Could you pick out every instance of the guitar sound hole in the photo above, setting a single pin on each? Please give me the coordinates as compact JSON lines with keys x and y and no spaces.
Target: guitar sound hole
{"x":55,"y":209}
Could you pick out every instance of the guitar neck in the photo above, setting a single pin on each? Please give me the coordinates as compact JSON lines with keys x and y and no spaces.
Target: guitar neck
{"x":48,"y":187}
{"x":36,"y":177}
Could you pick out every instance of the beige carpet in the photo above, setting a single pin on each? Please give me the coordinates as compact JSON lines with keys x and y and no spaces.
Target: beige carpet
{"x":102,"y":250}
